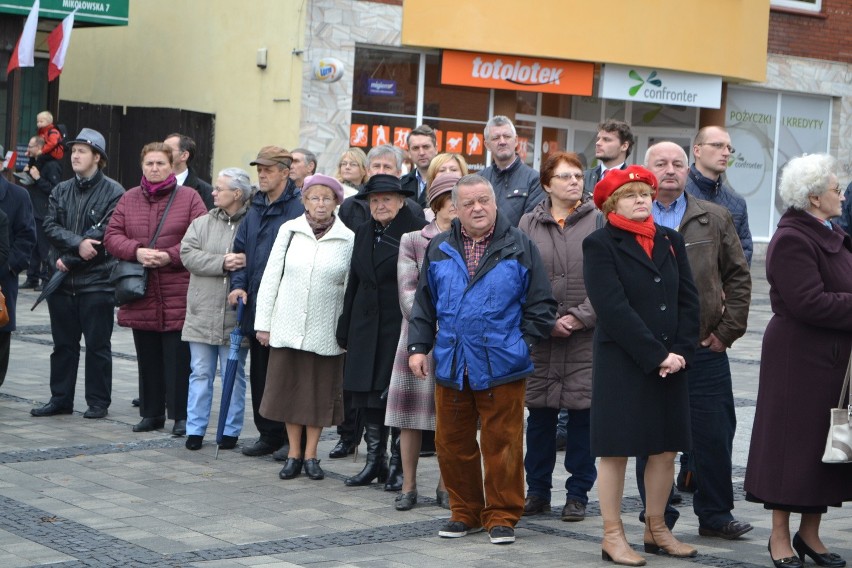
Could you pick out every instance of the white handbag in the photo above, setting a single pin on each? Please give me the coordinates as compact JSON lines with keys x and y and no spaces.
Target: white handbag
{"x":838,"y":446}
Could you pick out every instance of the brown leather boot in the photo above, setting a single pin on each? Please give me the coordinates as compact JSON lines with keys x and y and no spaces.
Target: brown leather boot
{"x":658,"y":536}
{"x":615,"y":548}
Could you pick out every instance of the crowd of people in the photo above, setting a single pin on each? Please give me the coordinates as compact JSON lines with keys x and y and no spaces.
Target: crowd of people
{"x":444,"y":303}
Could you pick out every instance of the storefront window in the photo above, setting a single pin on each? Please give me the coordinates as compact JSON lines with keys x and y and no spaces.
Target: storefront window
{"x":809,"y":5}
{"x":385,"y":81}
{"x":650,"y":114}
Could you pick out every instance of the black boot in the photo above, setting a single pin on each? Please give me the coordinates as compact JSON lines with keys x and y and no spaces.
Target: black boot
{"x":376,"y":467}
{"x":394,"y":482}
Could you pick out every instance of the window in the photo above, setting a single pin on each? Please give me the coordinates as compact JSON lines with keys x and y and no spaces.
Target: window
{"x":805,"y":5}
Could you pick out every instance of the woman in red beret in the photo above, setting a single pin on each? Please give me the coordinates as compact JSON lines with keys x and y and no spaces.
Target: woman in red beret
{"x":640,"y":286}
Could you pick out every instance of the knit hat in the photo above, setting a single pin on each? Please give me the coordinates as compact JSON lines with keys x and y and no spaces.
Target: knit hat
{"x":383,"y":183}
{"x":442,"y":184}
{"x":327,"y":181}
{"x":615,"y":178}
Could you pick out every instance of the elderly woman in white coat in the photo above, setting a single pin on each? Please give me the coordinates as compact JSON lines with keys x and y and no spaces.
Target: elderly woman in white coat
{"x":205,"y":251}
{"x":299,"y":301}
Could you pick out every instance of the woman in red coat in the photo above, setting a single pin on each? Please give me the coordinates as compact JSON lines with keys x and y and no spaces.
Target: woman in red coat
{"x":803,"y":363}
{"x":157,"y":318}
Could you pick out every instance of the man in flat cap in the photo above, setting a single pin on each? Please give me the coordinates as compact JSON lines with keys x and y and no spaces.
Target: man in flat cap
{"x":276,"y":202}
{"x":78,"y":213}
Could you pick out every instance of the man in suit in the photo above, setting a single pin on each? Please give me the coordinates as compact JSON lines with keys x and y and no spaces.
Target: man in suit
{"x":613,"y":145}
{"x":16,"y":204}
{"x":183,"y":151}
{"x":422,"y":147}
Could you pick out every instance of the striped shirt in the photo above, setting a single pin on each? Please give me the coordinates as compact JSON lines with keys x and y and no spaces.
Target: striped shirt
{"x":670,"y":216}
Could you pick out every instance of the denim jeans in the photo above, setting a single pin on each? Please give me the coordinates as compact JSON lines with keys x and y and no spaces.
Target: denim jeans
{"x":714,"y":422}
{"x":541,"y":454}
{"x":203,"y":362}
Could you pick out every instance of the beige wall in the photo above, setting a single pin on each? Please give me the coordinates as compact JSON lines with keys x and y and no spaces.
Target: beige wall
{"x":200,"y":55}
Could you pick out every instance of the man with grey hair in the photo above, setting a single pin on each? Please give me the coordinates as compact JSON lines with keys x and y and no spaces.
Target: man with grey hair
{"x":485,"y":292}
{"x":516,"y":185}
{"x":723,"y":280}
{"x":384,"y":159}
{"x":304,"y":165}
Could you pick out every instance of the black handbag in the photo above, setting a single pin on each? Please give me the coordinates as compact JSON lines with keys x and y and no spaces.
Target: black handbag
{"x":129,"y":277}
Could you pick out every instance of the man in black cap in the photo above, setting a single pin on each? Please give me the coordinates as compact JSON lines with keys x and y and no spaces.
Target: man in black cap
{"x":78,"y":214}
{"x":276,"y":202}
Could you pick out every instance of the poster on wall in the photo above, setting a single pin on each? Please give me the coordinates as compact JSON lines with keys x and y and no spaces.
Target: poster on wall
{"x":751,"y":119}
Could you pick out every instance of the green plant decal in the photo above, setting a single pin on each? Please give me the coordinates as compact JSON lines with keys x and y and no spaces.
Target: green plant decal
{"x":652,"y":79}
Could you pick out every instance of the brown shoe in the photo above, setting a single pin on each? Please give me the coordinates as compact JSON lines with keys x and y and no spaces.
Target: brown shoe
{"x":535,"y":505}
{"x":573,"y":511}
{"x":659,"y":537}
{"x":615,"y":547}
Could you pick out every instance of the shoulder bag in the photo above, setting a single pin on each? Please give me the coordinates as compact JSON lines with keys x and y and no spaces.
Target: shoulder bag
{"x":129,"y":277}
{"x":838,"y":446}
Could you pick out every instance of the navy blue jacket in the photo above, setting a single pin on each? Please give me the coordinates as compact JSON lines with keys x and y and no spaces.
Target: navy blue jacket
{"x":15,"y":203}
{"x":518,"y":189}
{"x":719,"y":193}
{"x":255,"y":237}
{"x":486,"y":324}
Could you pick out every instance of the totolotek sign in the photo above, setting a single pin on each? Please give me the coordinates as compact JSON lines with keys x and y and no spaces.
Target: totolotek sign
{"x":511,"y":72}
{"x":660,"y":86}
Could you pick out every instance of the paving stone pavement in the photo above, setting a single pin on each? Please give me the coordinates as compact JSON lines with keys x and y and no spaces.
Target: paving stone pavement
{"x":76,"y":492}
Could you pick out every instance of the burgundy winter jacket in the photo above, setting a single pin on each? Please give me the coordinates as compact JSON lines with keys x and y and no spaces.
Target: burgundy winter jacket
{"x":132,"y":225}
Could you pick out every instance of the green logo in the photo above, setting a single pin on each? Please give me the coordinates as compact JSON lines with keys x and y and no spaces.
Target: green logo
{"x":652,"y":79}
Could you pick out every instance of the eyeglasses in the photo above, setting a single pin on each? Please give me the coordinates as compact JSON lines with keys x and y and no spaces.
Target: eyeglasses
{"x":317,"y":200}
{"x":836,"y":190}
{"x":567,"y":176}
{"x":221,"y":189}
{"x":349,"y":164}
{"x":718,"y":146}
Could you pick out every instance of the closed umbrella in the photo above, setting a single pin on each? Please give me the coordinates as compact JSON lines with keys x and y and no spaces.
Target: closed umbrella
{"x":230,"y":374}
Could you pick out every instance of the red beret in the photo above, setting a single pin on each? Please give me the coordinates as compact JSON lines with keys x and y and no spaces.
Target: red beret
{"x":616,"y":178}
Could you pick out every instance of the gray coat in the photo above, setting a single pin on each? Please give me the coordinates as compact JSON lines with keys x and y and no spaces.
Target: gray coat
{"x":563,"y":365}
{"x":209,"y":318}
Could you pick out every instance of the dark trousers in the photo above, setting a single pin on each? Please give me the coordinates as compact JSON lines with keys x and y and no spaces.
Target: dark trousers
{"x":270,"y":431}
{"x":89,"y":316}
{"x":714,"y":422}
{"x":541,"y":453}
{"x":347,"y":429}
{"x":163,"y":361}
{"x":5,"y":345}
{"x":38,"y":259}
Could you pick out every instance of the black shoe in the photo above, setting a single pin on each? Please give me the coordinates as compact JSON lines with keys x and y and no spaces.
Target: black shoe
{"x":259,"y":448}
{"x":457,"y":529}
{"x":150,"y":424}
{"x":394,"y":481}
{"x":38,"y":287}
{"x":573,"y":511}
{"x":179,"y":429}
{"x":826,"y":559}
{"x":194,"y":442}
{"x":376,"y":466}
{"x":282,"y":453}
{"x":789,"y":562}
{"x":730,"y":531}
{"x":291,"y":469}
{"x":135,"y":402}
{"x":405,"y":501}
{"x":561,"y":443}
{"x":535,"y":505}
{"x":95,"y":412}
{"x":343,"y":448}
{"x":502,"y":535}
{"x":313,"y":469}
{"x":50,"y":409}
{"x":228,"y":443}
{"x":28,"y":283}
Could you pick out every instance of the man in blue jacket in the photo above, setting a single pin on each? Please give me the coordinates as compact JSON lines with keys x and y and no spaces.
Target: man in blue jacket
{"x":277,"y":201}
{"x":484,"y":288}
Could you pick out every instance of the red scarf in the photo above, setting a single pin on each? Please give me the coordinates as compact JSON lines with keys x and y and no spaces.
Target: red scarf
{"x":643,"y":230}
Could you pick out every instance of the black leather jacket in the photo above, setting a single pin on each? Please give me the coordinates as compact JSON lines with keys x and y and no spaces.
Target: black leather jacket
{"x":79,"y":210}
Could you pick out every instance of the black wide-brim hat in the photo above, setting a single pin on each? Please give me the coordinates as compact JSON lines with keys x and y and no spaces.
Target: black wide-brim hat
{"x":383,"y":183}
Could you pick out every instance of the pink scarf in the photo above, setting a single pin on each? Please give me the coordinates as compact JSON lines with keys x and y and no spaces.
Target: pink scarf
{"x":159,"y":187}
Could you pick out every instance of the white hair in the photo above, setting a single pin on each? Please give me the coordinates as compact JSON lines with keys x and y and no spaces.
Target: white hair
{"x":805,"y":176}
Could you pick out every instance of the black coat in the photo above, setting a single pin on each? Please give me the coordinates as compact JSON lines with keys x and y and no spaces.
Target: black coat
{"x":50,"y":175}
{"x":370,"y":324}
{"x":409,"y":182}
{"x":355,"y":212}
{"x":15,"y":203}
{"x":204,"y":189}
{"x":646,"y":309}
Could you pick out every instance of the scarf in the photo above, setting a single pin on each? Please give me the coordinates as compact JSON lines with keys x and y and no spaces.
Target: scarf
{"x":320,"y":228}
{"x":643,"y":230}
{"x":159,"y":187}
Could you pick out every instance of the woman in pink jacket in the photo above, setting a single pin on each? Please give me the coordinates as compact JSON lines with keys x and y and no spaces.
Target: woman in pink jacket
{"x":157,"y":318}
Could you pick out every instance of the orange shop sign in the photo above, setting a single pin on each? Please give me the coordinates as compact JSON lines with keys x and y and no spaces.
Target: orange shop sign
{"x":511,"y":72}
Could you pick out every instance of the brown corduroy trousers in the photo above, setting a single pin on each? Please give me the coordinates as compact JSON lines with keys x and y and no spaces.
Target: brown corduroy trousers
{"x":500,"y":411}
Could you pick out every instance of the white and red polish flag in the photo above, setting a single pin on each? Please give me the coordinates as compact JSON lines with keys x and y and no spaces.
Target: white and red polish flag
{"x":24,"y":54}
{"x":57,"y":42}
